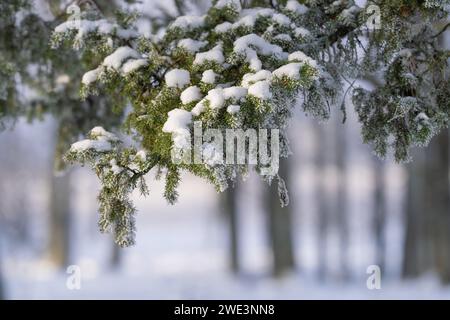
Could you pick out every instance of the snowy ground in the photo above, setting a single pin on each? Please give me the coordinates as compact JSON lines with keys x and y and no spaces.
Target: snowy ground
{"x":181,"y":254}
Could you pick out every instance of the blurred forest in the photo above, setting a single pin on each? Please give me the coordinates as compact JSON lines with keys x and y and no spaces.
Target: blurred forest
{"x":348,"y":210}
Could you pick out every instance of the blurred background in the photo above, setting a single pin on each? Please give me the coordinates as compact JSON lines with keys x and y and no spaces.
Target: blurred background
{"x":349,"y":211}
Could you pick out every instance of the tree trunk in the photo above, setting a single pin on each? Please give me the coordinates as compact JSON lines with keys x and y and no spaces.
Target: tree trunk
{"x":437,"y":202}
{"x":427,"y":244}
{"x":280,"y":226}
{"x":342,"y":199}
{"x":2,"y":286}
{"x":415,"y":247}
{"x":379,"y":212}
{"x":229,"y":207}
{"x":322,"y":203}
{"x":116,"y":256}
{"x":60,"y":220}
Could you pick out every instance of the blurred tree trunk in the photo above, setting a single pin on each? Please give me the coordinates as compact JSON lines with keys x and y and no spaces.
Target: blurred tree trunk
{"x":2,"y":286}
{"x":116,"y":256}
{"x":379,"y":212}
{"x":229,"y":208}
{"x":2,"y":289}
{"x":437,"y":202}
{"x":280,"y":225}
{"x":322,"y":201}
{"x":427,"y":245}
{"x":60,"y":219}
{"x":342,"y":199}
{"x":415,"y":248}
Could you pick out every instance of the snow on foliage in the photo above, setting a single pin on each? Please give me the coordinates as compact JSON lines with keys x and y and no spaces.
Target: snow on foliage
{"x":177,"y":78}
{"x":191,"y":94}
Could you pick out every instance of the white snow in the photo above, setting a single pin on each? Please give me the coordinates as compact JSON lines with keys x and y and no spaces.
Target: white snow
{"x":283,"y":37}
{"x":191,"y":94}
{"x":101,"y":26}
{"x":209,"y":76}
{"x":178,"y":124}
{"x":190,"y":45}
{"x":126,"y":33}
{"x":264,"y":47}
{"x":223,"y":27}
{"x":142,"y":154}
{"x":188,"y":22}
{"x":215,"y":54}
{"x":250,"y":78}
{"x":87,"y":144}
{"x":301,"y":32}
{"x":233,"y":108}
{"x":199,"y":108}
{"x":177,"y":78}
{"x":178,"y":121}
{"x":422,"y":117}
{"x":291,"y":70}
{"x":117,"y":58}
{"x":301,"y":57}
{"x":235,"y":4}
{"x":235,"y":93}
{"x":124,"y":60}
{"x":133,"y":65}
{"x":114,"y":167}
{"x":244,"y":45}
{"x":248,"y":17}
{"x":216,"y":98}
{"x":101,"y":133}
{"x":281,"y":19}
{"x":261,"y":90}
{"x":295,"y":6}
{"x":90,"y":76}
